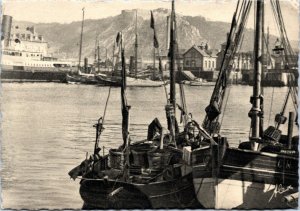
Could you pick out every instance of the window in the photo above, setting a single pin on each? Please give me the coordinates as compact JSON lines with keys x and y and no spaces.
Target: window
{"x":209,"y":64}
{"x":193,"y":64}
{"x":244,"y":65}
{"x":213,"y":64}
{"x":187,"y":63}
{"x":205,"y":64}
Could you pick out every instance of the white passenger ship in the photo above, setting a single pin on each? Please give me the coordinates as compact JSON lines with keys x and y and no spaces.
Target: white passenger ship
{"x":25,"y":50}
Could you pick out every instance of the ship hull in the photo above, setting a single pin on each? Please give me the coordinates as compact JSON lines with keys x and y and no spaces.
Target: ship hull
{"x":32,"y":76}
{"x":131,"y":82}
{"x":105,"y":81}
{"x":243,"y":179}
{"x":81,"y":79}
{"x":237,"y":194}
{"x":112,"y":194}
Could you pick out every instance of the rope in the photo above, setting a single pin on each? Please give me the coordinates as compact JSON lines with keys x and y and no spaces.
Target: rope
{"x":288,"y":51}
{"x":162,"y":75}
{"x":236,"y":31}
{"x":105,"y":108}
{"x":106,"y":104}
{"x":225,"y":105}
{"x":181,"y":88}
{"x":109,"y":90}
{"x":271,"y":106}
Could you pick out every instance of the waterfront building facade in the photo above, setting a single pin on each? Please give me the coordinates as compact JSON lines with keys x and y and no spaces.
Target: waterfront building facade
{"x":200,"y":58}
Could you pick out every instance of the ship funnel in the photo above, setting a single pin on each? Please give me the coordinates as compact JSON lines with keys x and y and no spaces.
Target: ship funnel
{"x":6,"y":29}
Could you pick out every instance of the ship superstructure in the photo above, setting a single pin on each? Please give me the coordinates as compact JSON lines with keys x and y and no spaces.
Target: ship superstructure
{"x":24,"y":49}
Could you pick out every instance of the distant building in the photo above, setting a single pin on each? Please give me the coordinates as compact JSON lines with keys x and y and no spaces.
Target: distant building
{"x":27,"y":40}
{"x":278,"y":59}
{"x":23,"y":49}
{"x":277,"y":67}
{"x":200,"y":58}
{"x":242,"y":60}
{"x":165,"y":59}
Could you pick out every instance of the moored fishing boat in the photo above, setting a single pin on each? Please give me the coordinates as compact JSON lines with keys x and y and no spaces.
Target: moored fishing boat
{"x":80,"y":77}
{"x":262,"y":172}
{"x":131,"y":82}
{"x":143,"y":174}
{"x":198,"y":83}
{"x":134,"y":79}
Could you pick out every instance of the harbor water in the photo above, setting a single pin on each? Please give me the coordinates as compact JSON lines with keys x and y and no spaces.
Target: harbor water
{"x":47,"y":129}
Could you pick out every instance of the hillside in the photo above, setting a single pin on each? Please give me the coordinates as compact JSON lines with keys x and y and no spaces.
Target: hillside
{"x":64,"y":38}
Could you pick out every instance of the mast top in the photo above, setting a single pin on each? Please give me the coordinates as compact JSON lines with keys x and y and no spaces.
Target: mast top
{"x":173,"y":5}
{"x":136,"y":12}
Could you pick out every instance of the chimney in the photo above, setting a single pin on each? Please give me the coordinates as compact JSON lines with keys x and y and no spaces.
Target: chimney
{"x":206,"y":46}
{"x":6,"y":29}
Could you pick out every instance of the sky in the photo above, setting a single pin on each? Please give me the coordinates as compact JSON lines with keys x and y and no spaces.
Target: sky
{"x":66,"y":11}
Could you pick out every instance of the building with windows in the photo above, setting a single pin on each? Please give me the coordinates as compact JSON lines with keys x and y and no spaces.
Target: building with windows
{"x":242,"y":60}
{"x":200,"y":58}
{"x":25,"y":50}
{"x":26,"y":39}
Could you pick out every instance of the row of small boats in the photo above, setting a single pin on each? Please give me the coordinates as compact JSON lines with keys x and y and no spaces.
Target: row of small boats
{"x":108,"y":80}
{"x":194,"y":166}
{"x":115,"y":81}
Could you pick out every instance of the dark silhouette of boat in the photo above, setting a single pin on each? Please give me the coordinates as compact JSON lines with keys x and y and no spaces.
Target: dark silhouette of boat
{"x":81,"y":78}
{"x":116,"y":81}
{"x":262,"y":172}
{"x":146,"y":174}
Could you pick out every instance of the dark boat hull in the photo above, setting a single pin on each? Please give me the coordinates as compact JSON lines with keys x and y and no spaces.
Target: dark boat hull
{"x":255,"y":180}
{"x":106,"y":81}
{"x":81,"y":79}
{"x":111,"y":194}
{"x":32,"y":76}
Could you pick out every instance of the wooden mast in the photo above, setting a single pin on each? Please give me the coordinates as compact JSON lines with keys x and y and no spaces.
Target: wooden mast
{"x":105,"y":58}
{"x":124,"y":107}
{"x":125,"y":115}
{"x":95,"y":54}
{"x":136,"y":46}
{"x":98,"y":56}
{"x":154,"y":72}
{"x":256,"y":100}
{"x":81,"y":37}
{"x":168,"y":31}
{"x":172,"y":53}
{"x":171,"y":106}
